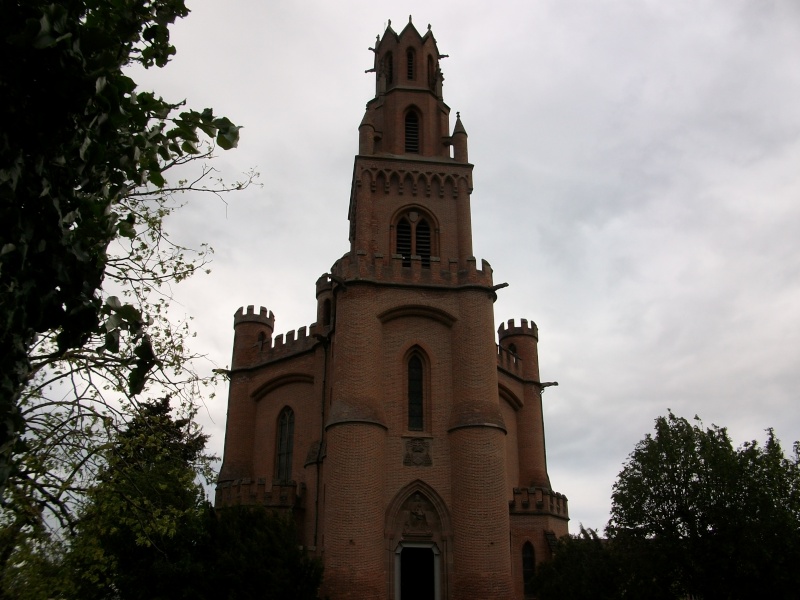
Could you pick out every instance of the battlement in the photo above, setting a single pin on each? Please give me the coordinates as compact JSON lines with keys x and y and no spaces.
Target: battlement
{"x":290,"y":343}
{"x":537,"y":500}
{"x":253,"y":346}
{"x":250,"y":492}
{"x":508,"y":360}
{"x":524,"y":328}
{"x":263,"y":316}
{"x":439,"y":271}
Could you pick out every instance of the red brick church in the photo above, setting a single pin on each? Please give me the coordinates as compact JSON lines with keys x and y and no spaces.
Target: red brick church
{"x":405,"y":439}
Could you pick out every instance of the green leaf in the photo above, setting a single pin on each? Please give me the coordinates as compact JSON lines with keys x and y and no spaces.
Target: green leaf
{"x":156,"y":178}
{"x":229,"y":138}
{"x":189,"y":148}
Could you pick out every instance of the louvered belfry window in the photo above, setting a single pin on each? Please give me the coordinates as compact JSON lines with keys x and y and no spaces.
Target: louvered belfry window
{"x":285,"y":443}
{"x":404,"y":241}
{"x":423,"y":245}
{"x":410,"y":64}
{"x":412,"y":132}
{"x":413,"y":238}
{"x":415,"y":393}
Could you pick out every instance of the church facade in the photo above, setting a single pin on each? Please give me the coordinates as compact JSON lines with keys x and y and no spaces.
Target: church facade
{"x":404,"y":438}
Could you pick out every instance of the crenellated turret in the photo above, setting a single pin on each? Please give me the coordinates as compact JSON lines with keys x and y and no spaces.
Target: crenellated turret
{"x":324,"y":302}
{"x":253,"y":335}
{"x":521,"y":341}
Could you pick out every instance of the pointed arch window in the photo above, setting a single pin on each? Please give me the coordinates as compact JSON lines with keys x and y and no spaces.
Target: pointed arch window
{"x":415,"y":393}
{"x":414,"y":237}
{"x":285,"y":445}
{"x":410,"y":60}
{"x":528,"y":569}
{"x":431,"y":73}
{"x":412,"y":132}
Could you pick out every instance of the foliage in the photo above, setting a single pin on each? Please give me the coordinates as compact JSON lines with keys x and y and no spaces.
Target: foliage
{"x":138,"y":532}
{"x":87,"y":263}
{"x":256,"y":555}
{"x":691,"y":517}
{"x":583,"y":566}
{"x":74,"y":401}
{"x":698,"y":517}
{"x":146,"y":531}
{"x":35,"y":569}
{"x":79,"y":145}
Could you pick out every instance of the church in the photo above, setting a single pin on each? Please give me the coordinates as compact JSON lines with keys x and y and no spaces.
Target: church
{"x":402,"y":432}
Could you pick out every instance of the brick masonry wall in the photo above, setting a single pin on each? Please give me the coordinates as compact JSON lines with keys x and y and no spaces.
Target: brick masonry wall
{"x":354,"y":512}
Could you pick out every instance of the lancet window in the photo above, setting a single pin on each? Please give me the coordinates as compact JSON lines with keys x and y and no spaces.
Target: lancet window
{"x":412,"y":132}
{"x":414,"y":237}
{"x":415,"y":393}
{"x":528,"y":569}
{"x":285,"y":444}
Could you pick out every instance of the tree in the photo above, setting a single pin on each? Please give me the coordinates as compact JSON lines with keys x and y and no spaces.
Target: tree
{"x":137,"y":537}
{"x":703,"y":518}
{"x":583,"y":566}
{"x":255,"y":554}
{"x":147,"y":533}
{"x":78,"y":145}
{"x":84,"y":325}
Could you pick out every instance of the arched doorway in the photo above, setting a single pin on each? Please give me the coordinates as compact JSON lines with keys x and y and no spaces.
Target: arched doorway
{"x":418,"y":536}
{"x":418,"y":571}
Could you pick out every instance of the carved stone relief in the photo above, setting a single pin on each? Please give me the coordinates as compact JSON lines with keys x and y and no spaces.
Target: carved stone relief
{"x":417,"y":509}
{"x":418,"y":453}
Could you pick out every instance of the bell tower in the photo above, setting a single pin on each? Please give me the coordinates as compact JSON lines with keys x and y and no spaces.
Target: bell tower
{"x":405,"y":143}
{"x":407,"y":444}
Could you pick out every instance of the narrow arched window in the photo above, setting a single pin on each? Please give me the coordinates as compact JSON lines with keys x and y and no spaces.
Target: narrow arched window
{"x":415,"y":399}
{"x":423,"y":242}
{"x":404,"y":241}
{"x":388,"y":68}
{"x":410,"y":64}
{"x":285,"y":443}
{"x":431,"y":73}
{"x":528,"y":568}
{"x":415,"y":236}
{"x":412,"y":132}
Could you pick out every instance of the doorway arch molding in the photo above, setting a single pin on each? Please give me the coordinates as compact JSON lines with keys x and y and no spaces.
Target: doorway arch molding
{"x":418,"y":517}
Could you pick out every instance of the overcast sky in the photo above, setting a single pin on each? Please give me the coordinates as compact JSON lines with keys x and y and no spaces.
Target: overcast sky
{"x":637,"y":183}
